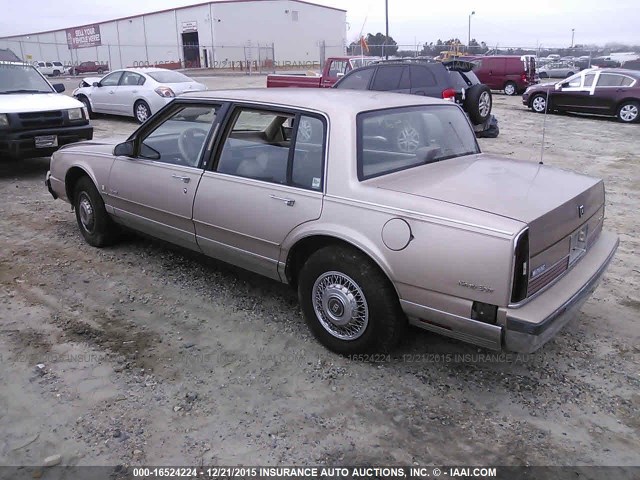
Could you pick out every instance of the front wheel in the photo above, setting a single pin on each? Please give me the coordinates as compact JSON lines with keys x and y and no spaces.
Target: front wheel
{"x":141,"y":111}
{"x":348,"y":303}
{"x":85,"y":101}
{"x":629,"y":111}
{"x":510,"y":88}
{"x":93,"y":220}
{"x":539,"y":103}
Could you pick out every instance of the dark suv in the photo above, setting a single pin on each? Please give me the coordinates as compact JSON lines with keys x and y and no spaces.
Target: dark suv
{"x":453,"y":80}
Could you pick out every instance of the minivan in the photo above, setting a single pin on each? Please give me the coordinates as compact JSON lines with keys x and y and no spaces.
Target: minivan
{"x":510,"y":73}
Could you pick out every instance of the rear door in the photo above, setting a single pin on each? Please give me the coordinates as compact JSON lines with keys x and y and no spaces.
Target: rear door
{"x":128,"y":91}
{"x":153,"y":191}
{"x":609,"y":87}
{"x":266,"y":180}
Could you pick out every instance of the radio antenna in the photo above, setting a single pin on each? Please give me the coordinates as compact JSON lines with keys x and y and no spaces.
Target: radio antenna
{"x":544,"y":127}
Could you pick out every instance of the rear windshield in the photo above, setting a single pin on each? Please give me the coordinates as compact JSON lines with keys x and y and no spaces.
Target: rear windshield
{"x":463,"y":79}
{"x":401,"y":138}
{"x":21,"y":79}
{"x":169,"y":76}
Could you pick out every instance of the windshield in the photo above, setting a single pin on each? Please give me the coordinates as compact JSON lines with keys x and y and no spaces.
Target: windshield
{"x":169,"y":76}
{"x":22,"y":79}
{"x":401,"y":138}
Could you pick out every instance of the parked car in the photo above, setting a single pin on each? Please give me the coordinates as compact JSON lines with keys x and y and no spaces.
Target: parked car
{"x":454,"y":81}
{"x":605,"y":62}
{"x":35,"y":120}
{"x":89,"y":67}
{"x":490,"y":250}
{"x":51,"y":69}
{"x":334,"y":68}
{"x":510,"y":73}
{"x":134,"y":92}
{"x":607,"y":91}
{"x":557,"y":70}
{"x":631,"y":65}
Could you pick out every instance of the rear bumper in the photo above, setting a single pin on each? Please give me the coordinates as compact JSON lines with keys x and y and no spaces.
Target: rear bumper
{"x":535,"y":323}
{"x":21,"y":144}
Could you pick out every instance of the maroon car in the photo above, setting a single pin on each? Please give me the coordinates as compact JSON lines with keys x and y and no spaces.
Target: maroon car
{"x":510,"y":73}
{"x":601,"y":91}
{"x":89,"y":67}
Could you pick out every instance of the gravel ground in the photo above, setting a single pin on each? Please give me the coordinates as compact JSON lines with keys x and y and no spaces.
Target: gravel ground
{"x":145,"y":353}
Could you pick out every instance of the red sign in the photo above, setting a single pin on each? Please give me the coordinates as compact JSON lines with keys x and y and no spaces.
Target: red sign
{"x":82,"y":37}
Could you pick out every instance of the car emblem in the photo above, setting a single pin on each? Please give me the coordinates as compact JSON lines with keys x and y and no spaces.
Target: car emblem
{"x":580,"y":211}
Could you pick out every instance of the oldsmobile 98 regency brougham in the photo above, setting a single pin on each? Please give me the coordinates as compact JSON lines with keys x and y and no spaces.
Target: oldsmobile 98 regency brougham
{"x":312,"y":188}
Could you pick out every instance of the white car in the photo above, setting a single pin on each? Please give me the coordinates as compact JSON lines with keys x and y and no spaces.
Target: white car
{"x":134,"y":92}
{"x":52,"y":69}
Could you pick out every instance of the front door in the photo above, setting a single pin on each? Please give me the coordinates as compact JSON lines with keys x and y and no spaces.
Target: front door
{"x":103,"y":97}
{"x":266,"y":180}
{"x":576,"y":93}
{"x":153,"y":191}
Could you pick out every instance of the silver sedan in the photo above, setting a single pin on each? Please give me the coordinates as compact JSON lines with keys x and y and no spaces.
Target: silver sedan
{"x":134,"y":92}
{"x":557,"y":70}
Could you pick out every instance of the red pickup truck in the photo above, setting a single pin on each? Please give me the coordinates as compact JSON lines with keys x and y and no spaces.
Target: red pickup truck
{"x":89,"y":67}
{"x":334,"y":68}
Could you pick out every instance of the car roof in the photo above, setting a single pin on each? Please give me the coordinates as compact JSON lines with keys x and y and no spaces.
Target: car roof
{"x":328,"y":100}
{"x":143,"y":70}
{"x":626,"y":71}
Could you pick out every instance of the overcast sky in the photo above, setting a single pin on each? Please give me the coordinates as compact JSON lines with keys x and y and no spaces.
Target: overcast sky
{"x":498,"y":22}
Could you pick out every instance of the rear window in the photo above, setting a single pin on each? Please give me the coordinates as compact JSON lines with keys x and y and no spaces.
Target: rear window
{"x":168,"y":76}
{"x":463,"y":79}
{"x":400,"y":138}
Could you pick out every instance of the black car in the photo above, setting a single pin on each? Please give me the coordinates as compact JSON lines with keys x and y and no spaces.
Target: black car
{"x":453,"y":80}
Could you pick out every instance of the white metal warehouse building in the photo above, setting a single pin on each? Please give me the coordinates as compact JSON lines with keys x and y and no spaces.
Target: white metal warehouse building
{"x":211,"y":34}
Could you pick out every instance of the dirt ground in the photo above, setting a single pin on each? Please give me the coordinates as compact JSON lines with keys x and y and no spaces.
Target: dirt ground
{"x":146,"y":354}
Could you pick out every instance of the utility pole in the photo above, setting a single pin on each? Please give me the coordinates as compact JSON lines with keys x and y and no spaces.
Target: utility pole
{"x":386,"y":20}
{"x":469,"y":37}
{"x":573,"y":30}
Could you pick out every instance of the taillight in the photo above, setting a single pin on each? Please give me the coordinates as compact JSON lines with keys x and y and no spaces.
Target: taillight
{"x":449,"y":94}
{"x":524,"y":76}
{"x":165,"y":92}
{"x":521,"y":268}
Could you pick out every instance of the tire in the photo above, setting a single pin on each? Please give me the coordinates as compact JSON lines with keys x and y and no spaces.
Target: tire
{"x":94,"y":222}
{"x":338,"y":279}
{"x":56,"y":73}
{"x":543,"y":75}
{"x":87,"y":104}
{"x":538,"y":103}
{"x":141,"y":111}
{"x":510,"y":88}
{"x":100,"y":71}
{"x":478,"y":103}
{"x":569,"y":74}
{"x":629,"y":111}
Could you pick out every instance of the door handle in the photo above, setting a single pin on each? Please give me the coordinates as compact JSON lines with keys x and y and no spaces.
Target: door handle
{"x":184,"y":179}
{"x":288,"y":201}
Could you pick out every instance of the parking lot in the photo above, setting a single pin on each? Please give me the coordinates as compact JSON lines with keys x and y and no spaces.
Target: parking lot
{"x":146,"y":353}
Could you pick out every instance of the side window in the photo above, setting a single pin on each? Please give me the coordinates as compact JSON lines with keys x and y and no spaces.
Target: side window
{"x":609,"y":80}
{"x":357,"y":80}
{"x":575,"y":82}
{"x":336,"y":67}
{"x":181,"y":138}
{"x":41,"y":64}
{"x":257,"y":146}
{"x":405,"y":82}
{"x":131,"y":78}
{"x":49,"y":64}
{"x":387,"y":78}
{"x":308,"y":154}
{"x":421,"y":77}
{"x":626,"y":81}
{"x":111,"y":80}
{"x":588,"y":79}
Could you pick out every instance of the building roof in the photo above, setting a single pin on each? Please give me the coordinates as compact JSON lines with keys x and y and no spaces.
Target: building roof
{"x":327,"y":100}
{"x":168,"y":10}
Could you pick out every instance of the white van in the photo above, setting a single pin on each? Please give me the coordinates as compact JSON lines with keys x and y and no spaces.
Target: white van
{"x":52,"y":69}
{"x":35,"y":120}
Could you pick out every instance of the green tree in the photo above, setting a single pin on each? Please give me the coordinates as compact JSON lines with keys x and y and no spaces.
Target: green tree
{"x":380,"y":45}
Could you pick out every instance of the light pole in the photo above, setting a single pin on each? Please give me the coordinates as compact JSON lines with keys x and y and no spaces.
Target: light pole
{"x":573,"y":30}
{"x":469,"y":37}
{"x":386,"y":20}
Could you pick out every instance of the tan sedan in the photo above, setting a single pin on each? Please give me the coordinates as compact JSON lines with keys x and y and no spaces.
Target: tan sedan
{"x":315,"y":189}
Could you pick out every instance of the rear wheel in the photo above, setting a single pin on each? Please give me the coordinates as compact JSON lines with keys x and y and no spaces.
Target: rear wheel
{"x":510,"y":88}
{"x":569,"y":74}
{"x":539,"y":103}
{"x":348,"y":303}
{"x":100,"y":71}
{"x":629,"y":111}
{"x":93,"y":220}
{"x":478,"y":103}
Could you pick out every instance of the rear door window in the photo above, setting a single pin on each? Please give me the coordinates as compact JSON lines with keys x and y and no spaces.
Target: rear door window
{"x":421,"y":77}
{"x":387,"y":78}
{"x":610,"y":80}
{"x":357,"y":80}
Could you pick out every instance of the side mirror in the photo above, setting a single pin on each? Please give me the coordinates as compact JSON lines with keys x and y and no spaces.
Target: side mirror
{"x":58,"y":87}
{"x":124,"y":149}
{"x":96,"y":84}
